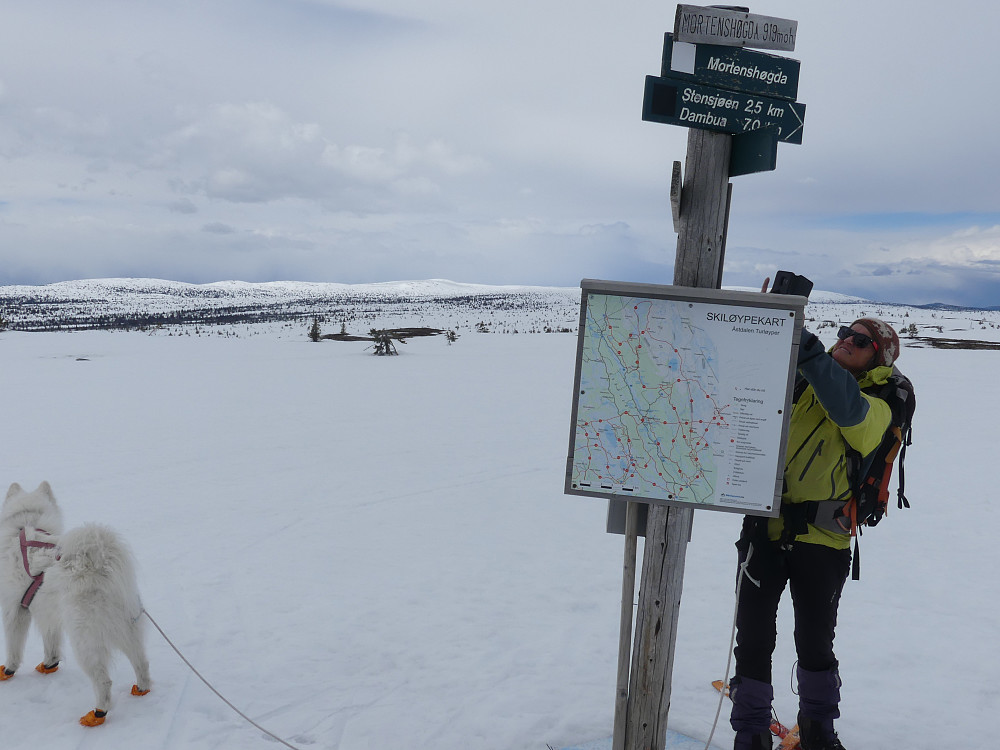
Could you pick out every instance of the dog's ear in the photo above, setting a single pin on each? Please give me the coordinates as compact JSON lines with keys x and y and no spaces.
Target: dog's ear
{"x":15,"y":489}
{"x":46,"y":490}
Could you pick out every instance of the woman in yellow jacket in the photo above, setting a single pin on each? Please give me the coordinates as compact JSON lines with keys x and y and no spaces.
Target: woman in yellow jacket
{"x":808,"y":546}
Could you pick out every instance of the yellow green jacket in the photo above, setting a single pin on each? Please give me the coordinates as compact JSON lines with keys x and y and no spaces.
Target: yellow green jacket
{"x":816,"y":457}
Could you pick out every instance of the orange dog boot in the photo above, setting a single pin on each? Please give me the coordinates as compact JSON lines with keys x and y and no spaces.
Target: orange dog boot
{"x":5,"y":674}
{"x":47,"y":670}
{"x":94,"y":719}
{"x":137,"y":691}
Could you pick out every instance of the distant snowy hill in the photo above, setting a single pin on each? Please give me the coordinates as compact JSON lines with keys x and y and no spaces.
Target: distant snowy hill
{"x":133,"y":303}
{"x":149,"y":303}
{"x":817,"y":296}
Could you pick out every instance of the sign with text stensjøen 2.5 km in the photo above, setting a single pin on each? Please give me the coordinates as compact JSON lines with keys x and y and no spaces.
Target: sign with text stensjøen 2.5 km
{"x":675,"y":101}
{"x":682,"y":395}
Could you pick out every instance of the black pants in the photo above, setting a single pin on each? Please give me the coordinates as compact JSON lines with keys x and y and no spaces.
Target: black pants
{"x":815,"y":575}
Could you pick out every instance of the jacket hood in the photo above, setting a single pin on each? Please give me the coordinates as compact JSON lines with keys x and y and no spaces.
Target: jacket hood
{"x":876,"y":376}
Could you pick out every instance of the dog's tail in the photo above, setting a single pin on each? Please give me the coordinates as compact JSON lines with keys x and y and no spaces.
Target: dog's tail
{"x":94,"y":561}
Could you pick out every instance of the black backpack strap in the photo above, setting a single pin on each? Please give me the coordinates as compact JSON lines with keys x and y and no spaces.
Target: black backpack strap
{"x":856,"y":561}
{"x":903,"y":402}
{"x":901,"y":501}
{"x":795,"y":521}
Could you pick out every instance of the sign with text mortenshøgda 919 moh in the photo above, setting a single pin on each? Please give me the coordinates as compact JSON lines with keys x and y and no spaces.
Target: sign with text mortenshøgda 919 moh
{"x":733,"y":28}
{"x":731,"y":68}
{"x":678,"y":102}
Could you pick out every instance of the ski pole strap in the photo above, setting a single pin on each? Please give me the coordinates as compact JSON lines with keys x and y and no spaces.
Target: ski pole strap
{"x":744,"y":566}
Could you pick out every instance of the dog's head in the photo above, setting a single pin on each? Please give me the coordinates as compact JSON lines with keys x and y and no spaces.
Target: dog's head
{"x":37,"y":508}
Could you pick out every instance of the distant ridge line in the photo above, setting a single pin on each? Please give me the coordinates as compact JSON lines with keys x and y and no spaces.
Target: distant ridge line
{"x":426,"y":287}
{"x":123,"y":303}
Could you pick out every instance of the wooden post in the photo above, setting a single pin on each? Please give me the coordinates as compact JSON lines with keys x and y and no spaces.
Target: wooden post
{"x":625,"y":625}
{"x":702,"y":233}
{"x":700,"y":244}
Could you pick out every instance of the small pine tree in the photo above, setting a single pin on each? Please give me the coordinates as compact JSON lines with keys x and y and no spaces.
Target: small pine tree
{"x":451,"y":337}
{"x":384,"y":345}
{"x":314,"y":332}
{"x":343,"y":329}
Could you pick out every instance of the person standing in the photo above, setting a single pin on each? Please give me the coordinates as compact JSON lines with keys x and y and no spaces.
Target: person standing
{"x":807,"y":547}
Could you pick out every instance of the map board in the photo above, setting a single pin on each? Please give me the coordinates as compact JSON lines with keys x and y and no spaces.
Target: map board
{"x":682,"y":395}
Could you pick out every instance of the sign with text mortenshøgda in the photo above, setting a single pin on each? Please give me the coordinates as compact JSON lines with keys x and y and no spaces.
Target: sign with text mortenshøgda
{"x":694,"y":23}
{"x":732,"y":68}
{"x":682,"y":395}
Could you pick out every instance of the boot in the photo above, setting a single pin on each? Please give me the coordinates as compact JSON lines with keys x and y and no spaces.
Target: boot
{"x":758,"y":741}
{"x":751,"y":714}
{"x":813,"y":735}
{"x":819,"y":705}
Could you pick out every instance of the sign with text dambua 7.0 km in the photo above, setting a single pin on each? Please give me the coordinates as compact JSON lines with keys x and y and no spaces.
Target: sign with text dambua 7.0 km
{"x":682,"y":395}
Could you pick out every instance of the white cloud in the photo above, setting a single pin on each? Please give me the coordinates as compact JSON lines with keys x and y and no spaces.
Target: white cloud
{"x":393,"y":135}
{"x":182,"y":206}
{"x":217,"y":227}
{"x":255,"y":152}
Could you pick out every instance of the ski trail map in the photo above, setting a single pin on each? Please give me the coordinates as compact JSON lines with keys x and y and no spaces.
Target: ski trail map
{"x":683,"y":400}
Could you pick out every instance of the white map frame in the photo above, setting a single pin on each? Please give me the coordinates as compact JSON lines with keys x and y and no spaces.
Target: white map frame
{"x":712,"y":374}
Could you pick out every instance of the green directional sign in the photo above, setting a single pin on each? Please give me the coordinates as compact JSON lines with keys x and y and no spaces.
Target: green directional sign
{"x":754,"y":151}
{"x":732,"y":68}
{"x":678,"y":102}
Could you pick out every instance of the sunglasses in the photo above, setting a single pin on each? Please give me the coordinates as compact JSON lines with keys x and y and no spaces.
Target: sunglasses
{"x":860,"y":340}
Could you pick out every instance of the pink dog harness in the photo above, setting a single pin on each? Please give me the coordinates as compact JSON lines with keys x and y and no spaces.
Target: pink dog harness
{"x":36,"y":581}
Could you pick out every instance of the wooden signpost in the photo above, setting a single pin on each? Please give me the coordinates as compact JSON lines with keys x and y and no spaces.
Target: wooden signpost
{"x":697,"y":88}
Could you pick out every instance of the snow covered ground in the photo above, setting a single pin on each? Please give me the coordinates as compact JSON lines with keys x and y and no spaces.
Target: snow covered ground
{"x":376,"y":553}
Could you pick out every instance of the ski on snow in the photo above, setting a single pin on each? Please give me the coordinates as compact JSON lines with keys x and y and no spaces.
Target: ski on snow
{"x":791,"y":740}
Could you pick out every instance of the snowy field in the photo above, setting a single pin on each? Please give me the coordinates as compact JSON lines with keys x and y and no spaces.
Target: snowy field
{"x":370,"y":553}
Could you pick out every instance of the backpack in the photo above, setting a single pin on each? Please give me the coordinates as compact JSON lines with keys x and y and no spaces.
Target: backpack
{"x":870,"y":478}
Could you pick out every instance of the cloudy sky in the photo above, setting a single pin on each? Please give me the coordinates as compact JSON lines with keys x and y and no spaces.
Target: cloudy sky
{"x":481,"y":141}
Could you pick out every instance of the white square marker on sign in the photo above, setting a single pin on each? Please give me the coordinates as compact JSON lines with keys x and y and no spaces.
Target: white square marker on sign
{"x":682,"y":58}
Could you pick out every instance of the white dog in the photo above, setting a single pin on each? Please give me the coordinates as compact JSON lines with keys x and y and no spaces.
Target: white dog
{"x":83,"y":580}
{"x":37,"y":515}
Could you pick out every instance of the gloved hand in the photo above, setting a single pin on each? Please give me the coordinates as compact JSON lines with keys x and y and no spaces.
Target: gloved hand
{"x":810,"y":346}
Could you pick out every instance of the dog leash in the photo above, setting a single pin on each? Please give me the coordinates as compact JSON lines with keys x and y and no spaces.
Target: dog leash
{"x":211,"y":687}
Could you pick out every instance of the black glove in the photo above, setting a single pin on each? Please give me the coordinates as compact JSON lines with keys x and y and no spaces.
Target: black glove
{"x":810,"y":347}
